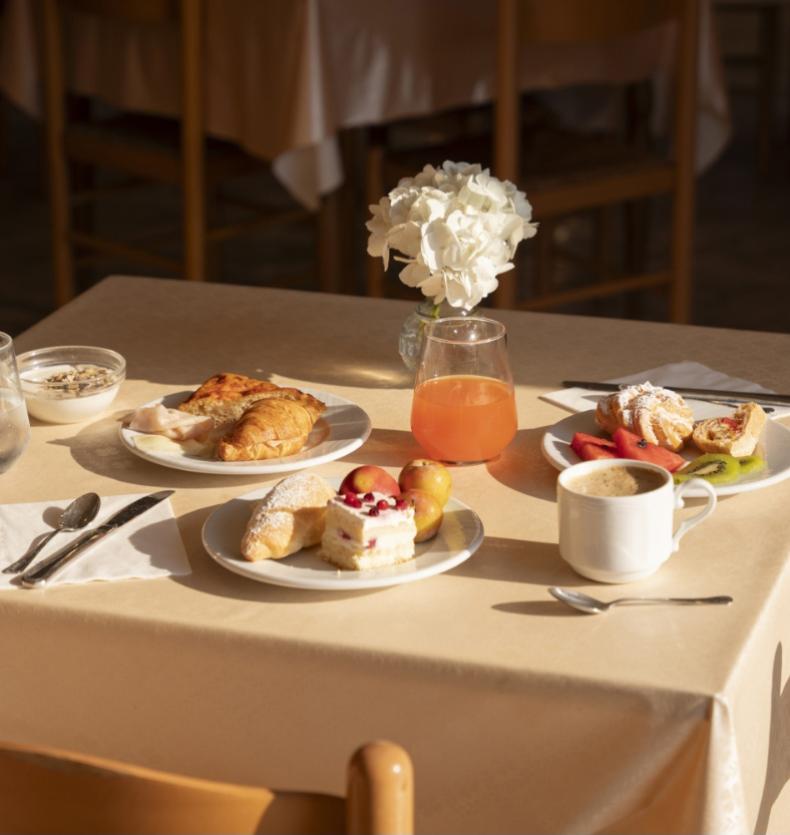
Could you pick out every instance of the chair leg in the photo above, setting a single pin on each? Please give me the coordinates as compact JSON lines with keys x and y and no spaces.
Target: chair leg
{"x":374,"y":191}
{"x":770,"y":52}
{"x":329,"y":242}
{"x":192,"y":142}
{"x":54,"y":126}
{"x":544,"y":258}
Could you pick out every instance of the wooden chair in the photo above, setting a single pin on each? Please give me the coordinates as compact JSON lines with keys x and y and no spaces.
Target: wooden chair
{"x":565,"y":172}
{"x":144,"y":148}
{"x":47,"y":790}
{"x":525,"y":22}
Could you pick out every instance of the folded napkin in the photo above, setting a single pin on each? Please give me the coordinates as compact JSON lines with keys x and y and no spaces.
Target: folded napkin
{"x":691,"y":374}
{"x":148,"y":546}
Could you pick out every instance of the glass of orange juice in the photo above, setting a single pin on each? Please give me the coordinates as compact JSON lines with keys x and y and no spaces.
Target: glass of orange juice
{"x":463,"y":408}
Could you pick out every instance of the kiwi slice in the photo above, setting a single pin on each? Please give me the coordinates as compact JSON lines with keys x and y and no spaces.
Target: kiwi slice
{"x":715,"y":467}
{"x":751,"y":464}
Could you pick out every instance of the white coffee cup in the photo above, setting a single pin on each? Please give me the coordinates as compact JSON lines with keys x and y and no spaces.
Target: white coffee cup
{"x":621,"y":538}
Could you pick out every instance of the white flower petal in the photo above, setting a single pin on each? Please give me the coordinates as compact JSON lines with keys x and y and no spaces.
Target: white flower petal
{"x":414,"y":273}
{"x":457,"y":228}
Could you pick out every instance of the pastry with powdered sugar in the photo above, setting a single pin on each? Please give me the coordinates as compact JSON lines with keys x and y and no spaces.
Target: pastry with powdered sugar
{"x":658,"y":415}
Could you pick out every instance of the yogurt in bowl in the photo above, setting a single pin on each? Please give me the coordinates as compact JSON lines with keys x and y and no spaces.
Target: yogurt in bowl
{"x":70,"y":383}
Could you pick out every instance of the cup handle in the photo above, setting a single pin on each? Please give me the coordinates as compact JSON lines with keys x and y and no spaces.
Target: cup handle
{"x":688,"y":524}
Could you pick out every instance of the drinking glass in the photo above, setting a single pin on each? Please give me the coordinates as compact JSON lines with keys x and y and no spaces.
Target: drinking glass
{"x":463,"y":409}
{"x":14,"y":425}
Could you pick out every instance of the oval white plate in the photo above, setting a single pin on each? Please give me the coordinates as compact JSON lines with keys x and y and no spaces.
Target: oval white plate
{"x":459,"y":537}
{"x":341,"y":429}
{"x":774,"y":446}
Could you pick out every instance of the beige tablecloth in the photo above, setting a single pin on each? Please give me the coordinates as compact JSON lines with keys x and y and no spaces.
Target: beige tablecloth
{"x":285,"y":76}
{"x":519,"y":715}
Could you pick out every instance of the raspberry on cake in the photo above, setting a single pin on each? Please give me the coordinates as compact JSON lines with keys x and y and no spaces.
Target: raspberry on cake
{"x":368,"y":530}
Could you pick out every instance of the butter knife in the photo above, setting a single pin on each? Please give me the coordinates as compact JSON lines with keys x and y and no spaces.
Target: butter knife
{"x":42,"y":572}
{"x":697,"y":394}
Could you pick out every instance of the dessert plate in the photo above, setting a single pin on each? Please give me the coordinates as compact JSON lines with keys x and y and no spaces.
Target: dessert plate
{"x":341,"y":429}
{"x":459,"y":537}
{"x":774,"y":447}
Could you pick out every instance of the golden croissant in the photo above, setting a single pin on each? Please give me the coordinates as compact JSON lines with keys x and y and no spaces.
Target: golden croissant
{"x":270,"y":428}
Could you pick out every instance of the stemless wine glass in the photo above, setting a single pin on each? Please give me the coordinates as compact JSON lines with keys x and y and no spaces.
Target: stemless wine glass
{"x":14,"y":424}
{"x":463,"y":408}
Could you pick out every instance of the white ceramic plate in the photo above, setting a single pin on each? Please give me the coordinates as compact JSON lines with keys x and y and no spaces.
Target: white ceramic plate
{"x":774,"y":446}
{"x":459,"y":537}
{"x":341,"y":429}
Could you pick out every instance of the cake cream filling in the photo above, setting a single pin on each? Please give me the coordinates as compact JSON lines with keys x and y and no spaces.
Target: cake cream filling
{"x":368,"y":536}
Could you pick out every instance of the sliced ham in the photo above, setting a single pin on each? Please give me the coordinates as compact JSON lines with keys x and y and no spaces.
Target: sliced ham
{"x":172,"y":423}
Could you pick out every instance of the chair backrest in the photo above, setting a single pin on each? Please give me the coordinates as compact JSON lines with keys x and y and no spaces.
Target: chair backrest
{"x":522,"y":22}
{"x":563,"y":22}
{"x":48,"y":790}
{"x":582,"y":21}
{"x":189,"y":19}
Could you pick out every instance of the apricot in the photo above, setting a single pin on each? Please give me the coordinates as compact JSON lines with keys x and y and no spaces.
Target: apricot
{"x":370,"y":479}
{"x":429,"y":476}
{"x":428,"y":513}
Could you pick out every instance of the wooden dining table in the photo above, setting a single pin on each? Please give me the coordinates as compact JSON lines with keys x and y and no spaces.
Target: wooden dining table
{"x":520,"y":715}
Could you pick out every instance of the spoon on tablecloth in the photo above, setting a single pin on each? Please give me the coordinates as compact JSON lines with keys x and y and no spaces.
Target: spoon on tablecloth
{"x":593,"y":606}
{"x":77,"y":515}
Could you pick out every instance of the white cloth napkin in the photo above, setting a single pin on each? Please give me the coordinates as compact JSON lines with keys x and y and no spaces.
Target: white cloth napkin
{"x":691,"y":374}
{"x":148,"y":546}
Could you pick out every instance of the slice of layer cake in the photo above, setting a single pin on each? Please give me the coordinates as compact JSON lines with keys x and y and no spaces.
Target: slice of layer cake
{"x":368,"y":530}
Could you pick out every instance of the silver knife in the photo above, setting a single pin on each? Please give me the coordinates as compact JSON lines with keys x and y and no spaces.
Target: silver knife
{"x":697,"y":394}
{"x":38,"y":576}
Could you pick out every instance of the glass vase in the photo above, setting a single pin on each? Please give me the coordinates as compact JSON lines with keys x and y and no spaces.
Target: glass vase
{"x":412,"y":334}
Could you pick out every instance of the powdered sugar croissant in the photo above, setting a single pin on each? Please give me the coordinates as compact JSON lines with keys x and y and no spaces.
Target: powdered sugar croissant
{"x":290,"y":517}
{"x":658,"y":415}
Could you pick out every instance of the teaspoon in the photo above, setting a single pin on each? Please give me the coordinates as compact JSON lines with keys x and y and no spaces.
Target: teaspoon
{"x":593,"y":606}
{"x":78,"y":514}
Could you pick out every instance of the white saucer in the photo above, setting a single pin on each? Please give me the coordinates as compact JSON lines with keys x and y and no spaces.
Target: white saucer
{"x":341,"y":429}
{"x":459,"y":537}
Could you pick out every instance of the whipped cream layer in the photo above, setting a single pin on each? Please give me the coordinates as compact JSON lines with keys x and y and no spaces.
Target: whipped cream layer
{"x":368,"y":531}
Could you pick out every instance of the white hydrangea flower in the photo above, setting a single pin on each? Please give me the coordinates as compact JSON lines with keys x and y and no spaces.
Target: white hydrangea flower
{"x":456,"y":229}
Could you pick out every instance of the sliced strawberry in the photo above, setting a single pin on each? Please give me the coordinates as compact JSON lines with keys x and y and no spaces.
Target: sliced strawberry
{"x":589,"y":452}
{"x":638,"y":449}
{"x":581,"y":438}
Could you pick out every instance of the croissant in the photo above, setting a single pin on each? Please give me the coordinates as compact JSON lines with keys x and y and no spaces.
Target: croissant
{"x":270,"y":428}
{"x":290,"y":517}
{"x":225,"y":397}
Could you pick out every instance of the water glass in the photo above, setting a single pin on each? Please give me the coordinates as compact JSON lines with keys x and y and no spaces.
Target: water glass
{"x":464,"y":409}
{"x":14,"y":424}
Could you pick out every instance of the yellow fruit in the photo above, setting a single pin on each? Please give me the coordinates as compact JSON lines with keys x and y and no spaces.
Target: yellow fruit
{"x":430,"y":476}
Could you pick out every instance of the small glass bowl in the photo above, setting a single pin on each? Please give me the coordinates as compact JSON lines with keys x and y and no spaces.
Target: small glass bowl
{"x":70,"y":383}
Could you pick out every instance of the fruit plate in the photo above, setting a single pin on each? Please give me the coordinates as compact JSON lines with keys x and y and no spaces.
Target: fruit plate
{"x":459,"y":537}
{"x":341,"y":429}
{"x":774,"y":447}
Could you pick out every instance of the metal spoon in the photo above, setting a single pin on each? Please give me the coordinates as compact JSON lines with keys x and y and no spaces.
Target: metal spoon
{"x":78,"y":514}
{"x":593,"y":606}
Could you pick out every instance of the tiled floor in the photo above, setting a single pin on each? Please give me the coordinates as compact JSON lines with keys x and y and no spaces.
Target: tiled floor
{"x":742,"y":268}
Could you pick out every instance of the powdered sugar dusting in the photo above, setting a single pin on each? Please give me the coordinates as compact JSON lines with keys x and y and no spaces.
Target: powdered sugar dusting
{"x":659,"y":415}
{"x":297,"y":491}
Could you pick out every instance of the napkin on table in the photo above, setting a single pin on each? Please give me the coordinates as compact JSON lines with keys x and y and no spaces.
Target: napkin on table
{"x":691,"y":374}
{"x":147,"y":546}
